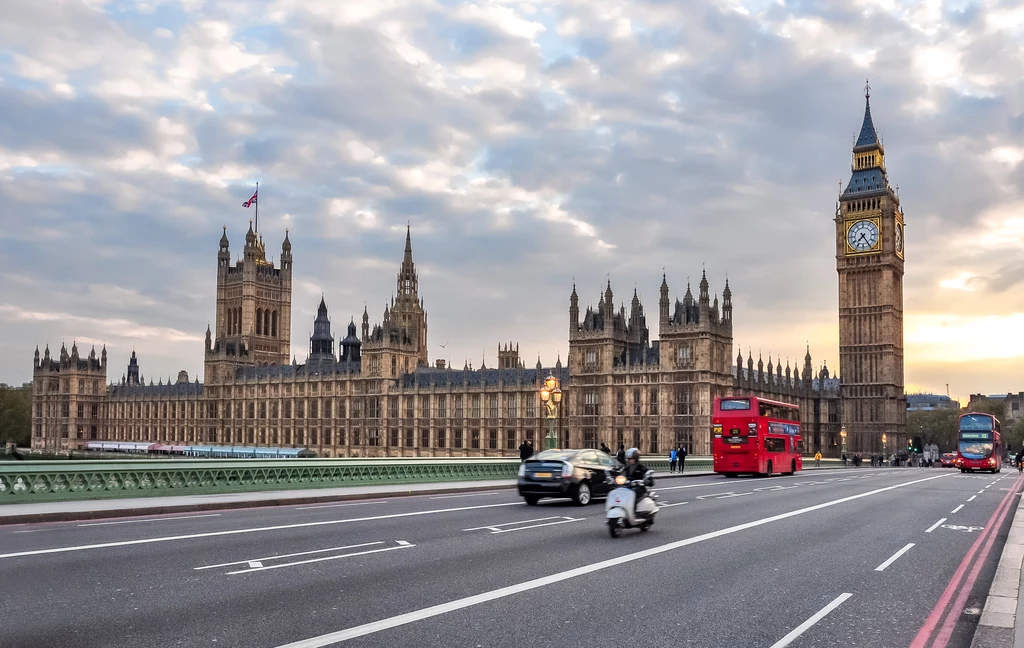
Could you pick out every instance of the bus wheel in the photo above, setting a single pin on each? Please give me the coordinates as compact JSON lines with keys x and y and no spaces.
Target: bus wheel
{"x":769,"y":473}
{"x":792,"y":467}
{"x":731,"y":474}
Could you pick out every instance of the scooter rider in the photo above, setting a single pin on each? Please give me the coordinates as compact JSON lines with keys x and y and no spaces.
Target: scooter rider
{"x":636,"y":471}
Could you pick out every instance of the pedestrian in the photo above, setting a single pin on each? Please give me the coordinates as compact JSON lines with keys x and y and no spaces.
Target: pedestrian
{"x":605,"y":449}
{"x":682,"y":458}
{"x":621,"y":454}
{"x":672,"y":460}
{"x":525,"y":450}
{"x":817,"y":459}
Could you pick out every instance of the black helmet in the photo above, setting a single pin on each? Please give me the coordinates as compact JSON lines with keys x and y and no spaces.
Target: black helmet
{"x":633,"y":453}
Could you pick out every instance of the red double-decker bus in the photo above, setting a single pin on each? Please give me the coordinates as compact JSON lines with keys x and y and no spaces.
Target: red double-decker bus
{"x":755,"y":435}
{"x":980,"y":444}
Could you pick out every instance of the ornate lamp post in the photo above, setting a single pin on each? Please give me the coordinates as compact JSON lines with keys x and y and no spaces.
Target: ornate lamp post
{"x":885,"y":453}
{"x":551,"y":396}
{"x":842,"y":434}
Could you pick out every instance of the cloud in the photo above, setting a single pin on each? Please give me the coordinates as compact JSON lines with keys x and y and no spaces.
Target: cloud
{"x":525,"y":143}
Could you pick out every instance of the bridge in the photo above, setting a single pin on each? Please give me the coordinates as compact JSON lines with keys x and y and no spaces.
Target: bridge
{"x":834,"y":556}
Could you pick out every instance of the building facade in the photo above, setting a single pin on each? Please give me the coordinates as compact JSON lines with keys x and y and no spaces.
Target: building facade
{"x":377,"y":395}
{"x":869,"y":259}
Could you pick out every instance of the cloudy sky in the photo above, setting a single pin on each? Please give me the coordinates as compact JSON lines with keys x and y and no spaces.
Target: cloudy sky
{"x":528,"y":144}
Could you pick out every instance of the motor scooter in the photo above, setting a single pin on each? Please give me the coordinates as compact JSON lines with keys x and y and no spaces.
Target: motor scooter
{"x":622,"y":508}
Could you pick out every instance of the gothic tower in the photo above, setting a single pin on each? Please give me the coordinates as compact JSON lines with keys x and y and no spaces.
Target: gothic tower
{"x":869,"y":260}
{"x":254,"y":308}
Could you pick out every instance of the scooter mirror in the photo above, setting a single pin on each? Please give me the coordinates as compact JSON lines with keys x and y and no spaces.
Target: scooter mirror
{"x":648,"y":474}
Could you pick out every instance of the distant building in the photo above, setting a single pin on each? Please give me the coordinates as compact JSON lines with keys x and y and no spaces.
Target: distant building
{"x":1013,"y":404}
{"x":930,"y":402}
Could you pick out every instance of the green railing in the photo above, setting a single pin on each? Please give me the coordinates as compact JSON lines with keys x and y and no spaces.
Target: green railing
{"x":37,"y":481}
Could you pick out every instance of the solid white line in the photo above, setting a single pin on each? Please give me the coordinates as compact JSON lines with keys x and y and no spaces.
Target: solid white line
{"x":971,"y":498}
{"x":818,"y":616}
{"x":534,"y":526}
{"x":661,"y":506}
{"x":291,"y":555}
{"x":180,"y":517}
{"x":496,"y":492}
{"x":956,"y":509}
{"x":314,"y":560}
{"x":935,"y":526}
{"x":212,"y":534}
{"x":477,"y":599}
{"x":495,"y":526}
{"x":894,"y":557}
{"x":320,"y":506}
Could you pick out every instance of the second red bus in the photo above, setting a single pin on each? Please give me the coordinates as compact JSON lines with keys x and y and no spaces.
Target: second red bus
{"x":980,"y":444}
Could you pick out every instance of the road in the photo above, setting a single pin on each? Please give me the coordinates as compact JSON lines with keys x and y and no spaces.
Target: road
{"x":854,"y":558}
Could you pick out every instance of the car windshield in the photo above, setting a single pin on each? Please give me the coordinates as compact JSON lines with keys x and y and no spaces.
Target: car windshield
{"x":975,"y":449}
{"x":556,"y":455}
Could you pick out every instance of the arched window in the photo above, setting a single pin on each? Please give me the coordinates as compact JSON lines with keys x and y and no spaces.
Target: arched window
{"x":273,"y":324}
{"x":266,"y":322}
{"x":259,"y":321}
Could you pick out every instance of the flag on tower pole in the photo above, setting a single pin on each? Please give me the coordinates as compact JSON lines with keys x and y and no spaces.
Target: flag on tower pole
{"x":254,"y":201}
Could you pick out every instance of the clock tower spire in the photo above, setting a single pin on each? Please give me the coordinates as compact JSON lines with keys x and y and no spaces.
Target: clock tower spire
{"x":870,"y":259}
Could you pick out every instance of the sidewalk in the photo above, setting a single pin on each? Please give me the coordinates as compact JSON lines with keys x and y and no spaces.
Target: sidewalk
{"x":107,"y":508}
{"x":1002,"y":619}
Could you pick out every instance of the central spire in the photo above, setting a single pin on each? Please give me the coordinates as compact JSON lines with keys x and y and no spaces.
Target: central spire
{"x":868,"y":136}
{"x":408,"y":245}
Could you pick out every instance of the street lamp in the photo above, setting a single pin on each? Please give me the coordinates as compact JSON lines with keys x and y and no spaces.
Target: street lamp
{"x":842,"y":434}
{"x":885,"y":453}
{"x":551,"y":396}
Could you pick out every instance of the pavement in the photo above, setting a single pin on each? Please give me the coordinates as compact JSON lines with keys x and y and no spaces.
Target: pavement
{"x":1002,"y":618}
{"x":109,"y":508}
{"x":873,"y":557}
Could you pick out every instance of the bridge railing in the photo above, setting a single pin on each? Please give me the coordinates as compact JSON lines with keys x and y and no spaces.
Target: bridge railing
{"x":38,"y":481}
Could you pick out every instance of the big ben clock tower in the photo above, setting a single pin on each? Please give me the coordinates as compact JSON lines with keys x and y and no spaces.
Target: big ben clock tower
{"x":869,"y":260}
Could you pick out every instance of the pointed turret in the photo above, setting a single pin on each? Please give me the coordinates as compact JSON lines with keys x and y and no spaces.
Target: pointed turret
{"x":705,"y":297}
{"x":663,"y":302}
{"x":868,"y":166}
{"x":574,"y":310}
{"x":36,"y":357}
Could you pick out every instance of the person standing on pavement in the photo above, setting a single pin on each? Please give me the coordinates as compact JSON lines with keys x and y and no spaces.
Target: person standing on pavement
{"x":525,"y":450}
{"x":817,"y":459}
{"x":621,"y":454}
{"x":682,"y":458}
{"x":672,"y":460}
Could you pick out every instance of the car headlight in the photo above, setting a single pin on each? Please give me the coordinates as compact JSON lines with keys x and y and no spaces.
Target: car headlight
{"x":522,"y":470}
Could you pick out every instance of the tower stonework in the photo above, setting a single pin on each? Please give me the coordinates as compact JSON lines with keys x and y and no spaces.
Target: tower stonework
{"x":254,"y":309}
{"x":870,"y":263}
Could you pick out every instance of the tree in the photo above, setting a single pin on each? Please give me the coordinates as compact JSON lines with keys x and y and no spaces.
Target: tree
{"x":1013,"y":438}
{"x":16,"y":414}
{"x":934,"y":427}
{"x":994,"y":406}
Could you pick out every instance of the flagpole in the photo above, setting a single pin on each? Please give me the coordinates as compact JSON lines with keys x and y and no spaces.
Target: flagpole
{"x":257,"y":207}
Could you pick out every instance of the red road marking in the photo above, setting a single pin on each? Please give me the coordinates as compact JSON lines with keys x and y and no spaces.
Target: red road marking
{"x":987,"y":537}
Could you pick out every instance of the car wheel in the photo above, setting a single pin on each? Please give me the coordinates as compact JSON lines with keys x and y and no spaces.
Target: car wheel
{"x":583,"y":495}
{"x":531,"y":499}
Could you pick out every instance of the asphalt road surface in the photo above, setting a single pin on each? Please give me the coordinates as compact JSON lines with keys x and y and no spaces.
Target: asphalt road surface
{"x":869,"y":557}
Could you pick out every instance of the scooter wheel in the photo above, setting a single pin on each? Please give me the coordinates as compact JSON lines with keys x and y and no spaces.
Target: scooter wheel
{"x":613,"y":528}
{"x":644,"y":527}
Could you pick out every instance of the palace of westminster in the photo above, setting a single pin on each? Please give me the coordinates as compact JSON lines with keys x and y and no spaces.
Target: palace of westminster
{"x":377,"y":395}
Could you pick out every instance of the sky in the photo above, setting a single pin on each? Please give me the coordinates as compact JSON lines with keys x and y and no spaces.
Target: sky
{"x":528,"y":145}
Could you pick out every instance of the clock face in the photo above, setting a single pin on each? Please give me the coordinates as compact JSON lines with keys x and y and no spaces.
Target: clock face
{"x":862,"y":235}
{"x":899,"y":238}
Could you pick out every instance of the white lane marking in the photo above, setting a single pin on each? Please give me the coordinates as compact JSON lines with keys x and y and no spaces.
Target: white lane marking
{"x":981,"y":492}
{"x":255,"y":563}
{"x":469,"y":495}
{"x":498,"y":528}
{"x":180,"y":517}
{"x":894,"y":557}
{"x":291,"y":555}
{"x":477,"y":599}
{"x":818,"y":616}
{"x":320,"y":506}
{"x":971,"y":498}
{"x":966,"y":529}
{"x":956,"y":509}
{"x":213,"y":534}
{"x":315,"y":560}
{"x":661,"y":506}
{"x":404,"y":543}
{"x":935,"y":526}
